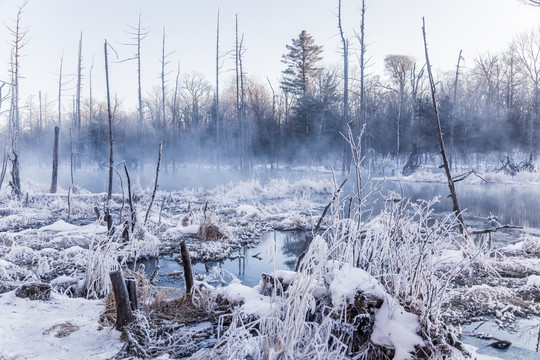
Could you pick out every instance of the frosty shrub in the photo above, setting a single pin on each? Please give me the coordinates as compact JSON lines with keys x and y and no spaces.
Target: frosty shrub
{"x":367,"y":288}
{"x":101,"y":260}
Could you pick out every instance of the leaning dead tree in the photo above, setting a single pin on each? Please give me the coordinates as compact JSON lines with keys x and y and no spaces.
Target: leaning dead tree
{"x":445,"y":164}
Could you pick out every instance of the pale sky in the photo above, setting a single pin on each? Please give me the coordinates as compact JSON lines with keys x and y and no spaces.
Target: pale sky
{"x":392,"y":27}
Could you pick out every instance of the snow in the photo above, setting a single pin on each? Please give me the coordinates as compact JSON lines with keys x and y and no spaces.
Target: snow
{"x":60,"y":225}
{"x":533,"y":280}
{"x":450,"y":257}
{"x":252,"y":302}
{"x":30,"y":329}
{"x":346,"y":281}
{"x":285,"y":275}
{"x":394,"y":327}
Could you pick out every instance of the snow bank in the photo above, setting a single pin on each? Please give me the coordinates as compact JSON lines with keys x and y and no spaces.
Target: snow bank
{"x":62,"y":328}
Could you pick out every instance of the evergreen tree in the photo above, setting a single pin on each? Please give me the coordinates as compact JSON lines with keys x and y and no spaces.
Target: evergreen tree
{"x":301,"y":63}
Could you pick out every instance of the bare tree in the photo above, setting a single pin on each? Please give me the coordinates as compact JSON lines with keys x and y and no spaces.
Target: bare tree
{"x":399,"y":67}
{"x":240,"y":99}
{"x":18,"y":42}
{"x":78,"y":103}
{"x":163,"y":76}
{"x":60,"y":85}
{"x":526,"y":48}
{"x":454,"y":109}
{"x":346,"y":123}
{"x":218,"y":139}
{"x":138,"y":34}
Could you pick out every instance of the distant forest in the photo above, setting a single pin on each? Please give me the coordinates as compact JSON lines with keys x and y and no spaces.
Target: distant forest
{"x":490,"y":106}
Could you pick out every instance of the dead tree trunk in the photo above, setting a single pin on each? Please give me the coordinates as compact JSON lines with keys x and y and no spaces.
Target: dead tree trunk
{"x":71,"y":158}
{"x":218,"y":134}
{"x":78,"y":106}
{"x":346,"y":124}
{"x":4,"y":166}
{"x":155,"y":184}
{"x":454,"y":105}
{"x":131,"y":285}
{"x":186,"y":263}
{"x":124,"y":316}
{"x":54,"y":180}
{"x":111,"y":163}
{"x":445,"y":164}
{"x":133,"y":215}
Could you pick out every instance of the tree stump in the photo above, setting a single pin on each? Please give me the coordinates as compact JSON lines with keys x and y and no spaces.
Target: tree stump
{"x":124,"y":316}
{"x":186,"y":263}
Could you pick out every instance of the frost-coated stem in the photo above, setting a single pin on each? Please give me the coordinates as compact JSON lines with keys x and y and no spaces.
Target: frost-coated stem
{"x":445,"y":165}
{"x":155,"y":184}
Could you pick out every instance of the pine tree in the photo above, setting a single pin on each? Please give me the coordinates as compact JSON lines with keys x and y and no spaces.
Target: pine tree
{"x":301,"y":63}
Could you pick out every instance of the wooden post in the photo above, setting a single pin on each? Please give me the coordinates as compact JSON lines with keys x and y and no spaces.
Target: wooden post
{"x":131,"y":285}
{"x":54,"y":181}
{"x":186,"y":262}
{"x":124,"y":316}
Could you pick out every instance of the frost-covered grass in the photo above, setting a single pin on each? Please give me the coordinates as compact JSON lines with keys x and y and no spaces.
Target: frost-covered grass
{"x":374,"y":287}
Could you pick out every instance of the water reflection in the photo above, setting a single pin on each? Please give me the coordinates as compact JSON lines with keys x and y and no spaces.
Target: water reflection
{"x":277,"y":250}
{"x":514,"y":204}
{"x":524,"y":335}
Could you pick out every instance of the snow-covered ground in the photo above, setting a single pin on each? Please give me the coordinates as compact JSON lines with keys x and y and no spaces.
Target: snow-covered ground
{"x":61,"y":328}
{"x":61,"y":241}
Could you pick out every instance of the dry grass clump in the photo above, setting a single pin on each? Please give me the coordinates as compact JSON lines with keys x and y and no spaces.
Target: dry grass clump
{"x":208,"y":230}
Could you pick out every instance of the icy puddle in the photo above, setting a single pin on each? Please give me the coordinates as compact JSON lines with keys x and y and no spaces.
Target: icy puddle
{"x":277,"y":250}
{"x":524,"y":335}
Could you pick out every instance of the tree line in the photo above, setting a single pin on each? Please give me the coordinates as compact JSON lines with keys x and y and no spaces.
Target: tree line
{"x":491,"y":105}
